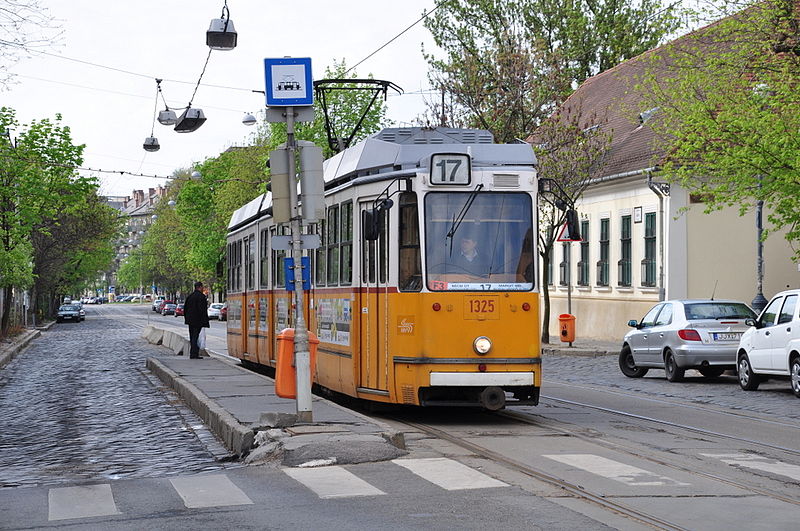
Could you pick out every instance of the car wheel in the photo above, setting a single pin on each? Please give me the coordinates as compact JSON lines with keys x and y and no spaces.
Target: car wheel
{"x":711,"y":372}
{"x":628,"y":366}
{"x":59,"y":321}
{"x":748,"y":380}
{"x":794,"y":370}
{"x":674,"y":373}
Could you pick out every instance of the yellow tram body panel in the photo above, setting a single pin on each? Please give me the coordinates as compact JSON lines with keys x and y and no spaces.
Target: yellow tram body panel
{"x":385,"y":346}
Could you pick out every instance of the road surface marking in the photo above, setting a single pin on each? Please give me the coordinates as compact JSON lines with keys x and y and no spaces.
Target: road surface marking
{"x":81,"y":502}
{"x":209,"y":491}
{"x":759,"y":463}
{"x":630,"y":475}
{"x":332,"y":482}
{"x":449,"y":474}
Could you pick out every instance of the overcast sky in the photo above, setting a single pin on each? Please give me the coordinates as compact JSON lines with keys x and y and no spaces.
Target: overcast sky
{"x":112,"y":111}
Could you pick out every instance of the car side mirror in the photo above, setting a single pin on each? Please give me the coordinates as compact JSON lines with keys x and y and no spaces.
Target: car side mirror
{"x":633,"y":323}
{"x":750,"y":322}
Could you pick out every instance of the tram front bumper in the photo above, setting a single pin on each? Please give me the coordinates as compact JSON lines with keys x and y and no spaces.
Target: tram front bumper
{"x":481,"y":379}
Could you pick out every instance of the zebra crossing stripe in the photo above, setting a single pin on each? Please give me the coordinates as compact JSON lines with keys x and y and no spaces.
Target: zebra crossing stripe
{"x":83,"y":501}
{"x":332,"y":482}
{"x":607,"y":468}
{"x":214,"y":490}
{"x":759,"y":463}
{"x":449,"y":474}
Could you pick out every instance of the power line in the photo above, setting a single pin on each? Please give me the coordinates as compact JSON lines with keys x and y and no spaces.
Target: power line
{"x":387,"y":43}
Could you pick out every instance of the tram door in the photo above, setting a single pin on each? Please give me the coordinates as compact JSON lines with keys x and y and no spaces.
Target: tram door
{"x":373,"y":311}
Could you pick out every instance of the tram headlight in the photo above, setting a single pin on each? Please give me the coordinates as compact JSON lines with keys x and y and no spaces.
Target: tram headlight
{"x":482,"y":345}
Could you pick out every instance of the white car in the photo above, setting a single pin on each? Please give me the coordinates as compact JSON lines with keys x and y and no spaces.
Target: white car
{"x":772,"y":346}
{"x":214,"y":311}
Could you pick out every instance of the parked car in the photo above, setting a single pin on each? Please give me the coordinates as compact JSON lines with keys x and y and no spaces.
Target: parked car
{"x":68,"y":312}
{"x":168,"y":308}
{"x":772,"y":346}
{"x":214,"y":310}
{"x":223,"y":312}
{"x":158,"y":305}
{"x":677,"y":335}
{"x":179,"y":310}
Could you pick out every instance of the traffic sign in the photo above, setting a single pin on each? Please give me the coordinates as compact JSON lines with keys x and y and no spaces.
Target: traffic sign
{"x":564,"y":235}
{"x":288,"y":81}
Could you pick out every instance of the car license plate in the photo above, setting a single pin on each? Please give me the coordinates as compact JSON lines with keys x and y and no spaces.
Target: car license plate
{"x":727,"y":336}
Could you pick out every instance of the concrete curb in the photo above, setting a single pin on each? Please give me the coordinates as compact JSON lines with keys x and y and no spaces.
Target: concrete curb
{"x":237,"y":437}
{"x":10,"y":351}
{"x":580,"y":351}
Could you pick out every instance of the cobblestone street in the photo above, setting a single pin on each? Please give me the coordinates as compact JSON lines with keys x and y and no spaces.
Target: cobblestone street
{"x":78,"y":404}
{"x":773,"y":397}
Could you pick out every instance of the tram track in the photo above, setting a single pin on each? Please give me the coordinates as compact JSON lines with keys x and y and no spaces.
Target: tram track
{"x":527,"y":470}
{"x":694,"y":429}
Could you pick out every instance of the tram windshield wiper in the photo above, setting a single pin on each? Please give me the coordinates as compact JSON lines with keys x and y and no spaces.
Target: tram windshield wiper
{"x":458,"y":219}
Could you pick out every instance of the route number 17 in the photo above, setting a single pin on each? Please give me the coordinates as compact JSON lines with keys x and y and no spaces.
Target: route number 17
{"x":450,"y":168}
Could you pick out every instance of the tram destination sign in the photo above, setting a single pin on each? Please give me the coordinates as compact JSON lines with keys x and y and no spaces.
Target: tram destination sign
{"x":450,"y":168}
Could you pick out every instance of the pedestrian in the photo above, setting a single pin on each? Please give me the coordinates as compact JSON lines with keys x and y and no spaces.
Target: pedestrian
{"x":195,"y":314}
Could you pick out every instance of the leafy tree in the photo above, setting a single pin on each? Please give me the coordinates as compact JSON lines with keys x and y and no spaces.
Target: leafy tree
{"x":571,"y":147}
{"x":729,"y":113}
{"x":71,"y":248}
{"x":508,"y":63}
{"x":37,"y":184}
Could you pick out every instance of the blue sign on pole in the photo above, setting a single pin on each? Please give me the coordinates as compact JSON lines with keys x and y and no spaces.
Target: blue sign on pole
{"x":288,"y":270}
{"x":289,"y":82}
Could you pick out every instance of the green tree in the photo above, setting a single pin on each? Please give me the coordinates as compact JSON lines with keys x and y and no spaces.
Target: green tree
{"x":729,"y":112}
{"x":37,"y":183}
{"x":507,"y":64}
{"x":571,"y":147}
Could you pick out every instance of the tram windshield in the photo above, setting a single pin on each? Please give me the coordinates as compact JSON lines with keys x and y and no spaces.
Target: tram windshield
{"x":479,"y":241}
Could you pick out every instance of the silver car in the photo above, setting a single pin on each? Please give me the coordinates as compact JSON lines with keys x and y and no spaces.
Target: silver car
{"x":685,"y":334}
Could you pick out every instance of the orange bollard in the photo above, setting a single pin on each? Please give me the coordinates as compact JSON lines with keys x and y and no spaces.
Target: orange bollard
{"x":566,"y":325}
{"x":285,"y":372}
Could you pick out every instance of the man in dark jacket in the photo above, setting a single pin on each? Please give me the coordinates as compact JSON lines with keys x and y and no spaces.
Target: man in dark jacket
{"x":195,"y":314}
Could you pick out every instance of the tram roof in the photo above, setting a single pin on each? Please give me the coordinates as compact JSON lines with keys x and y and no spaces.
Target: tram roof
{"x":396,"y":149}
{"x":404,"y":149}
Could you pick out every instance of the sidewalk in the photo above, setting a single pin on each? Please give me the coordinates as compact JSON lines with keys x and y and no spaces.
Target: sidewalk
{"x":241,"y":408}
{"x":591,"y":348}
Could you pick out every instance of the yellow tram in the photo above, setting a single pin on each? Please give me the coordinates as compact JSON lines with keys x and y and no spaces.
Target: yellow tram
{"x":423,"y":288}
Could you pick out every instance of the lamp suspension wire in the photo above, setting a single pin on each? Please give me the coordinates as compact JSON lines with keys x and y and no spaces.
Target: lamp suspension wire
{"x":161,"y":93}
{"x":155,"y":108}
{"x":199,"y":79}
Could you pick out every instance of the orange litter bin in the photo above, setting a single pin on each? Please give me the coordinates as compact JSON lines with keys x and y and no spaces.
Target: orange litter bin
{"x":566,"y":325}
{"x":286,"y":372}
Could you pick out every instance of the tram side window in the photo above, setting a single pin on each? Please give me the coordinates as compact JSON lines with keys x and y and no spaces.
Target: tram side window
{"x":263,"y":277}
{"x":333,"y":245}
{"x":383,"y":250}
{"x":347,"y":244}
{"x":319,"y":277}
{"x":367,"y":255}
{"x":250,"y":264}
{"x":410,"y":262}
{"x":229,"y":264}
{"x":278,"y":276}
{"x":234,"y":266}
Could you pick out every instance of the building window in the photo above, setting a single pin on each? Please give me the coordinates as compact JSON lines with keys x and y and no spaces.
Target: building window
{"x":563,"y":266}
{"x":625,"y":252}
{"x":347,"y":244}
{"x":583,"y":264}
{"x":602,"y":264}
{"x":548,"y":271}
{"x":649,"y":262}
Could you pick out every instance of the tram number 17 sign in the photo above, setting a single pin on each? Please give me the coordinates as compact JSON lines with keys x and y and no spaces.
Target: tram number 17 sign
{"x":450,"y":168}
